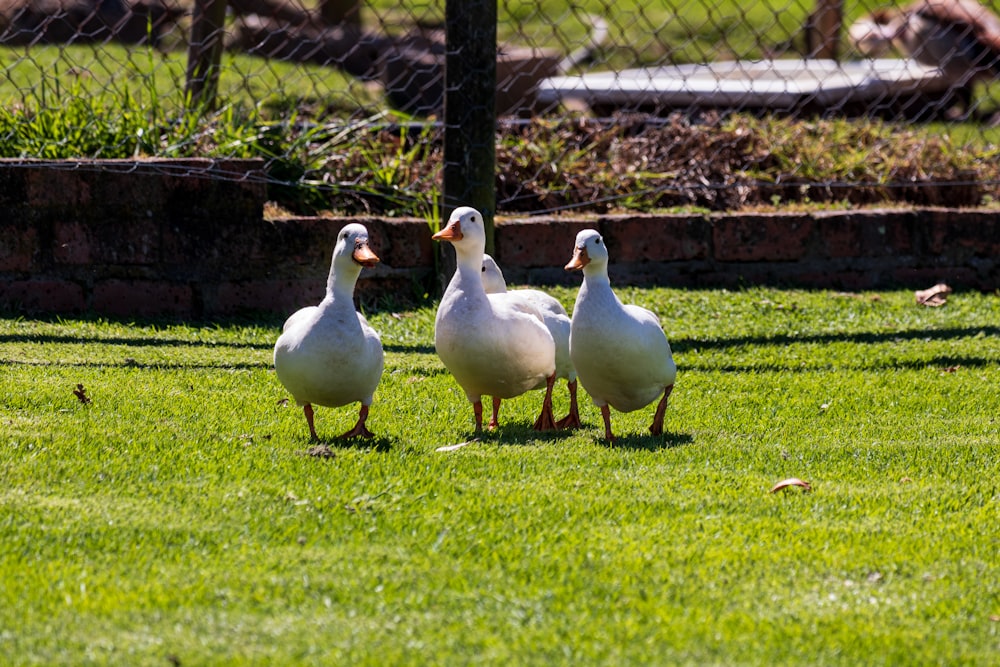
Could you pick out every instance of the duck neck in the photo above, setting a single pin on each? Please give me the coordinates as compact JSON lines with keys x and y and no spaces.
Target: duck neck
{"x":596,"y":277}
{"x":341,"y":281}
{"x":467,"y":280}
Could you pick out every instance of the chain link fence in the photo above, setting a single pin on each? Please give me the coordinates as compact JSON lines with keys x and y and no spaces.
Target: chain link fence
{"x":600,"y":104}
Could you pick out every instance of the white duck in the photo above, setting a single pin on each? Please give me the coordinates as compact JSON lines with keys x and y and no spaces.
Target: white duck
{"x":557,"y":321}
{"x":620,"y":351}
{"x":328,"y":354}
{"x":494,"y":344}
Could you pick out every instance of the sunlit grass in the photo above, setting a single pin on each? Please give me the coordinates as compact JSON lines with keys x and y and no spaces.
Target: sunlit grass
{"x":176,"y":517}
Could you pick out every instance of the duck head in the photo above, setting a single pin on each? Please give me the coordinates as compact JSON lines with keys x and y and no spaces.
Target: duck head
{"x":353,"y":242}
{"x":493,"y":280}
{"x":589,"y":251}
{"x":465,"y":230}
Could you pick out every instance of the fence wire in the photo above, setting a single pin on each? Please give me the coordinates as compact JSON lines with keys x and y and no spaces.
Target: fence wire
{"x":603,"y":104}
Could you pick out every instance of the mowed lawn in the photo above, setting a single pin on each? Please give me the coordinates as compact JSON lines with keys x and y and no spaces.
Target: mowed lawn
{"x":176,"y":517}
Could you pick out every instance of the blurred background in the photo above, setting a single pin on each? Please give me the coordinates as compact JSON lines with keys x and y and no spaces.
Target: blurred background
{"x":600,"y":104}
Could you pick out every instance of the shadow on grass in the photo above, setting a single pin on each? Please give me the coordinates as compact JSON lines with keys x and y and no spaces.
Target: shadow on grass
{"x":327,"y":448}
{"x":154,"y":341}
{"x":128,"y":341}
{"x":864,"y":338}
{"x":937,"y":362}
{"x":649,"y":443}
{"x":516,"y":433}
{"x":521,"y":433}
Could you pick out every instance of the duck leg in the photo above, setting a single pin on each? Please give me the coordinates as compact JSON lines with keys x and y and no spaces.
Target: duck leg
{"x":477,"y":409}
{"x":545,"y":421}
{"x":495,"y":419}
{"x":307,"y":409}
{"x":656,"y":428}
{"x":572,"y":420}
{"x":360,"y":430}
{"x":606,"y":413}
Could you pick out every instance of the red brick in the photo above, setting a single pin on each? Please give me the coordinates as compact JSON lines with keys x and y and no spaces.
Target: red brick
{"x":273,"y":296}
{"x":656,"y":238}
{"x":71,"y":243}
{"x":537,"y":242}
{"x":963,"y":233}
{"x":51,"y":187}
{"x":142,"y":297}
{"x":18,"y":247}
{"x":761,"y":237}
{"x":922,"y":278}
{"x":845,"y":234}
{"x":403,"y":243}
{"x":840,"y":235}
{"x":896,"y":230}
{"x":46,"y":296}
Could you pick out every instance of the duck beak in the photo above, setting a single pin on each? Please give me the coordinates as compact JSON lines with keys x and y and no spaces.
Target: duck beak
{"x":364,"y":256}
{"x":453,"y":232}
{"x":580,"y":259}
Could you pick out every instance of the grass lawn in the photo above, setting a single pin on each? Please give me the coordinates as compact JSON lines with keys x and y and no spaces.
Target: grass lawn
{"x":175,"y":518}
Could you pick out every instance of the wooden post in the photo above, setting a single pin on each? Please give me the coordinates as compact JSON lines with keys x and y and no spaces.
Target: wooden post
{"x":205,"y":53}
{"x":823,"y":31}
{"x":341,"y":12}
{"x":470,"y":111}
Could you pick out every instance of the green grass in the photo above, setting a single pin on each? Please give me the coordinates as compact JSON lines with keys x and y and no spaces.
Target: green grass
{"x":176,"y":517}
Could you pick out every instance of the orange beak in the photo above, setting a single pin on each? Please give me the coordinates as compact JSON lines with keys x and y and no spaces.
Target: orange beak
{"x":364,"y":256}
{"x":580,"y":259}
{"x":453,"y":232}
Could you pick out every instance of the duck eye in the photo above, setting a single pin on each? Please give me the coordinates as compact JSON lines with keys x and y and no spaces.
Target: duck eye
{"x":484,"y":269}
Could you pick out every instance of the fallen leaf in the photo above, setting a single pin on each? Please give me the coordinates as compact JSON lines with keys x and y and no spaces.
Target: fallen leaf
{"x":934,"y":297}
{"x":81,"y":394}
{"x":791,"y":481}
{"x":950,"y":369}
{"x":451,"y":448}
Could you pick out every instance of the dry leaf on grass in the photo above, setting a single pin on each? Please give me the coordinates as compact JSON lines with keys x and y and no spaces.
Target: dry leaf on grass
{"x":934,"y":296}
{"x":81,"y":394}
{"x":791,"y":481}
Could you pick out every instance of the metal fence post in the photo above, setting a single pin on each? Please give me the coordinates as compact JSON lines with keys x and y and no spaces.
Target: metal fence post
{"x":205,"y":53}
{"x":470,"y":110}
{"x":823,"y":31}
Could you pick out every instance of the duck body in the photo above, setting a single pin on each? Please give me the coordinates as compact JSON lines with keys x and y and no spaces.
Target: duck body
{"x":328,"y":354}
{"x":494,"y":345}
{"x":620,"y":352}
{"x":556,"y":320}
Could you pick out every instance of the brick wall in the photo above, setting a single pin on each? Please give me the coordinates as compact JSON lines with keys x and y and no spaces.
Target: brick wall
{"x":188,"y":239}
{"x":850,"y":250}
